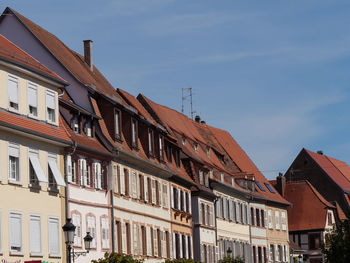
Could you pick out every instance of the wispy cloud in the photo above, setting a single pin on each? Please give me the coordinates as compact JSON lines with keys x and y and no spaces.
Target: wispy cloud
{"x":185,"y":23}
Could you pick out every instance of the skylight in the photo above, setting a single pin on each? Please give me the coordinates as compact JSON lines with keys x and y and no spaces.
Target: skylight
{"x":260,"y":186}
{"x":270,"y":188}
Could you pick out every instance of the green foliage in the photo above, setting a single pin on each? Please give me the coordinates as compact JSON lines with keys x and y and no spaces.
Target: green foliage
{"x":337,"y":245}
{"x":231,"y":260}
{"x":181,"y":260}
{"x":116,"y":258}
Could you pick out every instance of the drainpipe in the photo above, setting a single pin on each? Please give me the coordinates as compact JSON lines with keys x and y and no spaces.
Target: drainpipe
{"x":216,"y":228}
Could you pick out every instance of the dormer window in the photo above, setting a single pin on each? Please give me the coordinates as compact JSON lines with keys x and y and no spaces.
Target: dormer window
{"x":208,"y":152}
{"x":168,"y":154}
{"x":134,"y":135}
{"x":177,"y":158}
{"x":222,"y":177}
{"x":183,"y":141}
{"x":150,"y":142}
{"x":196,"y":147}
{"x":75,"y":124}
{"x":117,"y":124}
{"x":211,"y":174}
{"x":51,"y":106}
{"x":88,"y":128}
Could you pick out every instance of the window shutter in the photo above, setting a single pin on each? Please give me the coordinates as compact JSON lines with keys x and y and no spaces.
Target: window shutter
{"x":276,"y":253}
{"x":35,"y":234}
{"x":254,"y":214}
{"x":237,"y":212}
{"x":277,"y":219}
{"x":165,"y":195}
{"x":249,"y":216}
{"x":200,"y":213}
{"x":32,"y":96}
{"x":50,"y":100}
{"x":145,"y":187}
{"x":16,"y":231}
{"x":211,"y":216}
{"x":284,"y":223}
{"x":54,"y":230}
{"x":230,"y":210}
{"x":186,"y":248}
{"x":115,"y":176}
{"x":130,"y":183}
{"x":160,"y":193}
{"x":184,"y":200}
{"x":189,"y":203}
{"x":148,"y":241}
{"x":124,"y":243}
{"x":217,"y":207}
{"x":122,"y":181}
{"x":180,"y":246}
{"x":99,"y":175}
{"x":105,"y":233}
{"x":153,"y":184}
{"x":174,"y":246}
{"x":172,"y":196}
{"x":69,"y":167}
{"x":269,"y":213}
{"x":135,"y":239}
{"x":178,"y":199}
{"x":155,"y":242}
{"x":243,"y":214}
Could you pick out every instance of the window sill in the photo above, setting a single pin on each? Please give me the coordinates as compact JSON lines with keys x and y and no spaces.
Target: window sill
{"x":53,"y":190}
{"x":13,"y":110}
{"x":35,"y":186}
{"x":17,"y":253}
{"x":10,"y":181}
{"x":51,"y":122}
{"x":31,"y":116}
{"x":35,"y":254}
{"x":55,"y":256}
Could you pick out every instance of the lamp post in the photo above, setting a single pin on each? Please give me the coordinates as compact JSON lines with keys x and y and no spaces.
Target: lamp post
{"x":69,"y":230}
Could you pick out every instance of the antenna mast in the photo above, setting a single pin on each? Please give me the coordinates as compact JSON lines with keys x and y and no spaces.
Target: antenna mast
{"x":184,"y":97}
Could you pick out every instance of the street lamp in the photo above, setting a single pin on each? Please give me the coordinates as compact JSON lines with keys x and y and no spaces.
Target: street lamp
{"x":69,"y":230}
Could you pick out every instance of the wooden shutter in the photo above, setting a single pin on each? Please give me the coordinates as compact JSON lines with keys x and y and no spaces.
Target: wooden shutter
{"x":69,"y":167}
{"x":172,"y":196}
{"x":180,"y":246}
{"x":122,"y":181}
{"x":174,"y":246}
{"x":230,"y":211}
{"x":217,"y":207}
{"x":277,"y":219}
{"x":155,"y":242}
{"x":178,"y":199}
{"x":237,"y":212}
{"x":200,"y":213}
{"x":284,"y":225}
{"x":184,"y":200}
{"x":189,"y":203}
{"x":211,"y":216}
{"x":249,"y":216}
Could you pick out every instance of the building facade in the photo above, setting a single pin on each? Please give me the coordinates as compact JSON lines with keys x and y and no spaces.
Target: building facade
{"x":32,"y":144}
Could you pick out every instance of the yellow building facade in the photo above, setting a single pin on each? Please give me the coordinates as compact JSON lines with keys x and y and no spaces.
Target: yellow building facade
{"x":32,"y":196}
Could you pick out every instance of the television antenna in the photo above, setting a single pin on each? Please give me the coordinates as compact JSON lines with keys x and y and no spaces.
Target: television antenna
{"x":187,"y":93}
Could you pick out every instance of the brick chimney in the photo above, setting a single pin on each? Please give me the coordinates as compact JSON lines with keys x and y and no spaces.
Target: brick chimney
{"x":88,"y":53}
{"x":197,"y":118}
{"x":281,"y":184}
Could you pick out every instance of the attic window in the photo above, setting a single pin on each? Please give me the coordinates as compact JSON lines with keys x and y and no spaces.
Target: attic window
{"x":222,"y":177}
{"x":233,"y":181}
{"x":211,"y":174}
{"x":260,"y":186}
{"x":196,"y":147}
{"x":88,"y":128}
{"x":134,"y":134}
{"x":269,"y":187}
{"x":150,"y":142}
{"x":208,"y":152}
{"x":75,"y":124}
{"x":117,"y":124}
{"x":183,"y":141}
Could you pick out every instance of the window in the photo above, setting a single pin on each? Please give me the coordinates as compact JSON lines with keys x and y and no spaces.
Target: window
{"x":54,"y":236}
{"x":51,"y":106}
{"x":206,"y":179}
{"x":177,"y":158}
{"x":35,"y":235}
{"x":88,"y":128}
{"x":98,"y":175}
{"x":201,"y":179}
{"x":12,"y":85}
{"x":269,"y":214}
{"x":270,"y":188}
{"x":117,"y":125}
{"x":284,"y":221}
{"x":165,"y":195}
{"x":330,"y":219}
{"x":91,"y":227}
{"x":196,"y":147}
{"x":260,"y":186}
{"x":134,"y":134}
{"x":73,"y":171}
{"x":161,"y":152}
{"x":222,"y":177}
{"x":13,"y":172}
{"x":105,"y":232}
{"x":315,"y":241}
{"x":55,"y":176}
{"x":52,"y":181}
{"x":32,"y":100}
{"x":15,"y":232}
{"x":77,"y":235}
{"x":150,"y":142}
{"x":36,"y":173}
{"x":76,"y":124}
{"x":183,"y":141}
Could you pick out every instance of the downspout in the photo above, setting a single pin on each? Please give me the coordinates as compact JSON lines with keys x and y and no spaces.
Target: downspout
{"x":216,"y":231}
{"x":112,"y":204}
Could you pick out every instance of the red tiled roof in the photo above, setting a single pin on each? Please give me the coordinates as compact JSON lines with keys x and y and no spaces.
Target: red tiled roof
{"x":73,"y":61}
{"x":36,"y":127}
{"x":337,"y":170}
{"x":309,"y":208}
{"x":340,"y":212}
{"x":12,"y":52}
{"x":84,"y":140}
{"x":243,"y":161}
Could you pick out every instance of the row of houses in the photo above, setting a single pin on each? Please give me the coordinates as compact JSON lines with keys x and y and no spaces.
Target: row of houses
{"x":141,"y":178}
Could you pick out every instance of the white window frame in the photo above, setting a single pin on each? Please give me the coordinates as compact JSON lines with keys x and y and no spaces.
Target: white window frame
{"x":54,"y":218}
{"x":40,"y":253}
{"x":77,"y":238}
{"x":51,"y":93}
{"x":93,"y":227}
{"x":17,"y":80}
{"x":18,"y":147}
{"x":277,"y":220}
{"x":31,"y":85}
{"x":105,"y":222}
{"x":20,"y":215}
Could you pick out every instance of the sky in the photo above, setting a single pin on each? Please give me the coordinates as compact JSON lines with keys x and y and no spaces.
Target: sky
{"x":275,"y":74}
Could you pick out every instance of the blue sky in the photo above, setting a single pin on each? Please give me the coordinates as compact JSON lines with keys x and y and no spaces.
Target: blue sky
{"x":273,"y":73}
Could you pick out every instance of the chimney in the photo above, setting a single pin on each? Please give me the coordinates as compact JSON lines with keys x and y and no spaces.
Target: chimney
{"x":203,"y":122}
{"x":320,"y":152}
{"x":281,"y":184}
{"x":88,"y":53}
{"x":197,"y":118}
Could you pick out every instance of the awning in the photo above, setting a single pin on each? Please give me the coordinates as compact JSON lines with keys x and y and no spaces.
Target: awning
{"x":56,"y":173}
{"x":38,"y":169}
